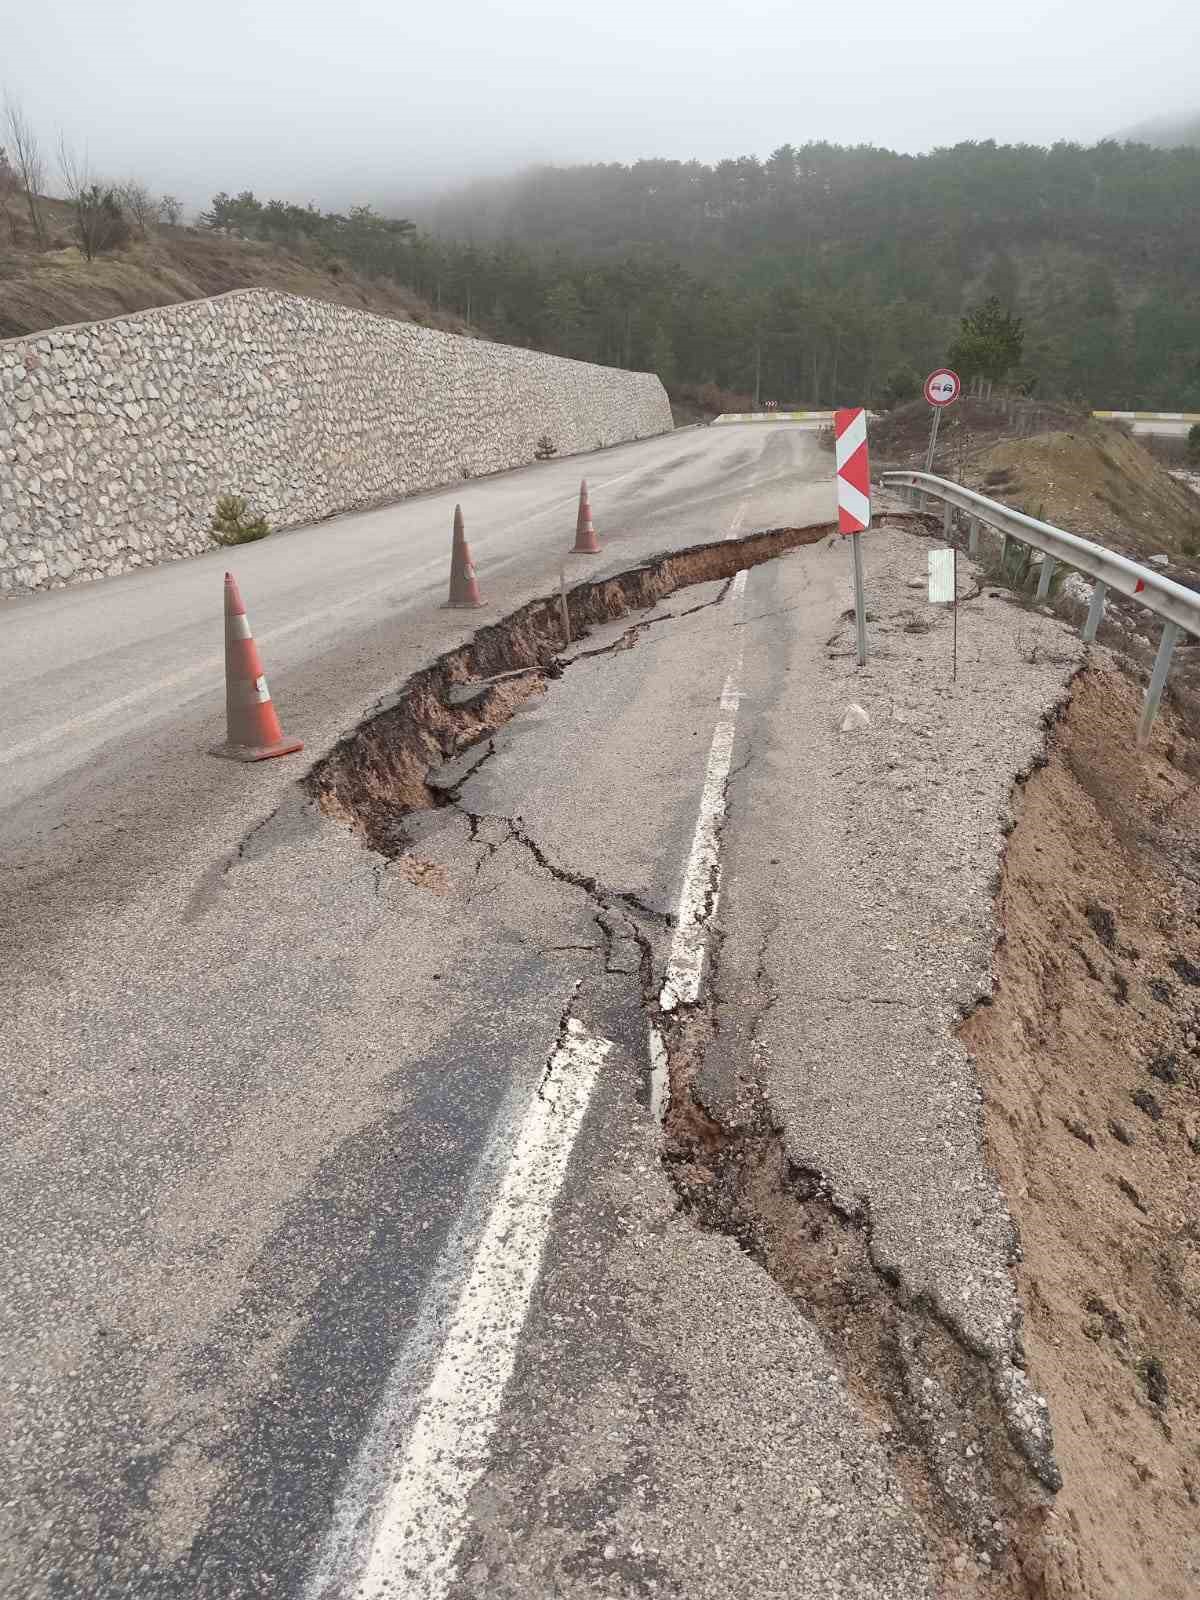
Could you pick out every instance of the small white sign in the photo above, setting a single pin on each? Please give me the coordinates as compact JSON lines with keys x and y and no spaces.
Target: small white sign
{"x":941,"y":577}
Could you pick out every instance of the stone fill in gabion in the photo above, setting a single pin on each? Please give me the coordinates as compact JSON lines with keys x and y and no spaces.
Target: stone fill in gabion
{"x":117,"y":437}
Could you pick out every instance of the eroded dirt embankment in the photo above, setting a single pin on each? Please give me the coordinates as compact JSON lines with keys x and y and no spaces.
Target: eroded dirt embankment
{"x":1089,"y":1057}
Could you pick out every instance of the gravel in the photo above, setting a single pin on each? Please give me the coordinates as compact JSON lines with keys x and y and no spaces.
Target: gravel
{"x":858,"y":919}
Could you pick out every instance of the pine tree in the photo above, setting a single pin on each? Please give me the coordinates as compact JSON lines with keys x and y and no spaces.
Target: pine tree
{"x":989,"y":343}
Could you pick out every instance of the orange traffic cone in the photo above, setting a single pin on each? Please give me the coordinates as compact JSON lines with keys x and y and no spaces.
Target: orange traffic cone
{"x":586,"y":542}
{"x":253,"y":728}
{"x":464,"y":587}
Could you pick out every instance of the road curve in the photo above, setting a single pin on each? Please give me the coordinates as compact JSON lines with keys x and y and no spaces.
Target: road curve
{"x":249,"y":1103}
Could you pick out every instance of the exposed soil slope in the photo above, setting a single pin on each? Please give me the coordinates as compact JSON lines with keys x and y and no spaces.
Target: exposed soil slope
{"x":900,"y":437}
{"x":1091,"y":478}
{"x":1094,"y":480}
{"x":1090,"y":1060}
{"x":47,"y":288}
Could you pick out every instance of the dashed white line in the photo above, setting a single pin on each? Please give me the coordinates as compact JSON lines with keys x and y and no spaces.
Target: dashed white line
{"x":414,"y":1543}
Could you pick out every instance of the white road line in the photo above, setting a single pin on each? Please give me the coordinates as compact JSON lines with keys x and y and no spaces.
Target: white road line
{"x":414,"y":1545}
{"x":702,"y":876}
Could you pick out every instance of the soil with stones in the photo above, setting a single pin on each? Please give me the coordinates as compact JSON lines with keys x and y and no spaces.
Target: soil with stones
{"x":1089,"y":1055}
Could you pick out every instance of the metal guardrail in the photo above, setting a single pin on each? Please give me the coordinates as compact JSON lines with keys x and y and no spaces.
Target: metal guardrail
{"x":1178,"y":606}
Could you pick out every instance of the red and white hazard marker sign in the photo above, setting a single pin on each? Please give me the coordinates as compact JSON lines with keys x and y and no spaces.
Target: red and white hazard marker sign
{"x":943,"y":387}
{"x":853,"y":473}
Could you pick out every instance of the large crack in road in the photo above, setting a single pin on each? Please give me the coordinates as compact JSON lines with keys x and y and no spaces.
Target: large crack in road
{"x":964,"y":1432}
{"x":380,"y":772}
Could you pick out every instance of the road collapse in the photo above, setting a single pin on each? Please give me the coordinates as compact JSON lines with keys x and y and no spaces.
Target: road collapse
{"x":379,"y":772}
{"x":973,"y":1457}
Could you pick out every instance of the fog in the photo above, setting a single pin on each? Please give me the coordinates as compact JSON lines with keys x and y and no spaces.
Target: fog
{"x":368,"y":100}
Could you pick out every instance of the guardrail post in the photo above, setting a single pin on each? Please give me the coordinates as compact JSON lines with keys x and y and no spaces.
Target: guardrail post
{"x":1048,"y":566}
{"x":1095,"y":612}
{"x":972,"y":536}
{"x":1003,"y":553}
{"x":947,"y":521}
{"x":1158,"y":679}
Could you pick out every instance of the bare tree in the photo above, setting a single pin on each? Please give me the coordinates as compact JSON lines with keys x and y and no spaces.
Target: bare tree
{"x":138,"y":204}
{"x":10,"y":188}
{"x":28,"y":162}
{"x":100,"y":223}
{"x":170,"y":210}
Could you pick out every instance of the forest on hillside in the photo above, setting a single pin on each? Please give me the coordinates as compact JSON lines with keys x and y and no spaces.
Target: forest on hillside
{"x":821,"y":274}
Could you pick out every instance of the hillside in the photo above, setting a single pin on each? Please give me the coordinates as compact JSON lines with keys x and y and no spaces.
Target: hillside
{"x":43,"y":288}
{"x":836,"y":265}
{"x":1097,"y":482}
{"x":1167,"y":133}
{"x":1089,"y":477}
{"x":821,"y":275}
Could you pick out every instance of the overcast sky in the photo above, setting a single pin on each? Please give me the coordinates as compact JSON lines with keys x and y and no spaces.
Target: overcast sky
{"x":339,"y":101}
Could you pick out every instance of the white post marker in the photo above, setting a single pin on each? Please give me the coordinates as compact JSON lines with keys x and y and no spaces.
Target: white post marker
{"x":941,"y":577}
{"x":854,"y":502}
{"x":942,"y":388}
{"x":943,"y":589}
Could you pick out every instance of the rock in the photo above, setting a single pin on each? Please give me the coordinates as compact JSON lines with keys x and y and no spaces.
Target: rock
{"x":1076,"y":587}
{"x":1159,"y":561}
{"x":855,"y":719}
{"x":1146,"y":1102}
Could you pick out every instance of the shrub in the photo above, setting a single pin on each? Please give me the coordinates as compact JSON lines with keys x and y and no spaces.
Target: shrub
{"x":711,"y":398}
{"x":1193,"y":442}
{"x":232,"y":525}
{"x":546,"y":448}
{"x":138,"y":205}
{"x":100,"y":224}
{"x":901,"y":384}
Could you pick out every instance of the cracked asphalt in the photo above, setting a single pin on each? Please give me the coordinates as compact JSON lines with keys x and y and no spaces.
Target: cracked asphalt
{"x":252,"y":1072}
{"x":262,"y":1080}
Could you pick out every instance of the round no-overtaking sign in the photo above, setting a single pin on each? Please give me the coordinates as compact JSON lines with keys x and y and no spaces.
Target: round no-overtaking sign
{"x":942,"y":388}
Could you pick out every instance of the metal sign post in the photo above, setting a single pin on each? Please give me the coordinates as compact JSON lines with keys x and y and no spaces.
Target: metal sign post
{"x":854,"y":503}
{"x":942,"y":388}
{"x":954,"y":658}
{"x":860,"y":601}
{"x":562,"y":600}
{"x":933,"y":433}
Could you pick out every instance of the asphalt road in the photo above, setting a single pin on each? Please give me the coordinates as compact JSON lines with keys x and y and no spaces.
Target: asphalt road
{"x":340,"y":1252}
{"x":114,"y":686}
{"x":249,"y":1095}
